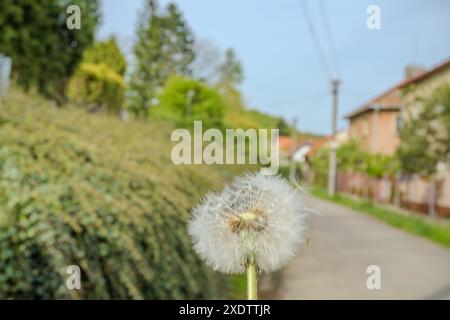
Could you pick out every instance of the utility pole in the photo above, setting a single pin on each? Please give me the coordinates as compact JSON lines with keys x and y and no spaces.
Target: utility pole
{"x":332,"y":163}
{"x":292,"y":166}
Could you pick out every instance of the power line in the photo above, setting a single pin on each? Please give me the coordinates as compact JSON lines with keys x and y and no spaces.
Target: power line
{"x":315,"y":38}
{"x":330,"y":37}
{"x":297,"y":100}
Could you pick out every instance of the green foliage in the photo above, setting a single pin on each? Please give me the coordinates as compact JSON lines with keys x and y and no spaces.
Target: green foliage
{"x":352,"y":158}
{"x":425,"y":139}
{"x":231,"y":71}
{"x":432,"y":230}
{"x":185,"y":100}
{"x":99,"y":80}
{"x":44,"y":52}
{"x":164,"y":47}
{"x":107,"y":53}
{"x":246,"y":119}
{"x":231,"y":96}
{"x":93,"y":191}
{"x":97,"y":85}
{"x":378,"y":165}
{"x":319,"y":162}
{"x":180,"y":52}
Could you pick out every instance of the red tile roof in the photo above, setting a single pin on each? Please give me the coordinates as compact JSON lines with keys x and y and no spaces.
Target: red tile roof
{"x":391,"y":98}
{"x":286,"y":143}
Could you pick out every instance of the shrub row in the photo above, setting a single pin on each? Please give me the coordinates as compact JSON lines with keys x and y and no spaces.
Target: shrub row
{"x":89,"y":190}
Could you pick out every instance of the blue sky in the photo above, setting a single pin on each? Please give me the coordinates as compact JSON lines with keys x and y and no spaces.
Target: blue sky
{"x":283,"y":73}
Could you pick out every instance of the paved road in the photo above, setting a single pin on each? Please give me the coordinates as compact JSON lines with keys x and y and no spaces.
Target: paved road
{"x":343,"y":243}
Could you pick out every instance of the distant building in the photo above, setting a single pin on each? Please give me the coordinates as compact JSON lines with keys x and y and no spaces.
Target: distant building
{"x":288,"y":147}
{"x":302,"y":149}
{"x":376,"y":123}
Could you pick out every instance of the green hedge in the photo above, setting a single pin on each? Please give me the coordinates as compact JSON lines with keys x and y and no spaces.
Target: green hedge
{"x":92,"y":191}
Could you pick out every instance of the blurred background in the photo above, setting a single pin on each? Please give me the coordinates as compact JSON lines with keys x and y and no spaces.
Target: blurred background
{"x":91,"y":90}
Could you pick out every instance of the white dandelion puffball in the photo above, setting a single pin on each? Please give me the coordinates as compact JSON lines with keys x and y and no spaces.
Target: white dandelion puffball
{"x":258,"y":216}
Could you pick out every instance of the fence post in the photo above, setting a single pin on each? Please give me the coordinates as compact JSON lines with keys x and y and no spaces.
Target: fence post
{"x":432,"y":197}
{"x":396,"y":186}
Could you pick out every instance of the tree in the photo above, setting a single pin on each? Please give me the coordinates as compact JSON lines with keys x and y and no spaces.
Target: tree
{"x":164,"y":47}
{"x":99,"y":80}
{"x":351,"y":157}
{"x":108,"y":53}
{"x":425,"y":138}
{"x":180,"y":50}
{"x":97,"y":87}
{"x":184,"y":100}
{"x":206,"y":64}
{"x":45,"y":52}
{"x":230,"y":75}
{"x":284,"y":127}
{"x":231,"y":71}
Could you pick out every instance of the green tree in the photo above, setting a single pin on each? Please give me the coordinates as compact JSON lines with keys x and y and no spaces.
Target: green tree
{"x":180,"y":51}
{"x":231,"y":71}
{"x":284,"y":127}
{"x":99,"y":80}
{"x":164,"y":47}
{"x":207,"y":61}
{"x":425,"y":138}
{"x":351,"y":157}
{"x":184,"y":100}
{"x":97,"y":87}
{"x":108,"y":53}
{"x":378,"y":165}
{"x":45,"y":52}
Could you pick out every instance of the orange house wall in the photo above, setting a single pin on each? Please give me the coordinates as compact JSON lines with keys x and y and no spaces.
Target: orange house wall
{"x":376,"y":131}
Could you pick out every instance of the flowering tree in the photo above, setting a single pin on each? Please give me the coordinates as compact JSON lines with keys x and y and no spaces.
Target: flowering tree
{"x":425,"y":139}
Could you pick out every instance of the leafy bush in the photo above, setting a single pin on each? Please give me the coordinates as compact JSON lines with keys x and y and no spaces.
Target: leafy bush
{"x":89,"y":190}
{"x":319,"y":164}
{"x":351,"y":157}
{"x":108,"y":53}
{"x":185,"y":100}
{"x":97,"y":85}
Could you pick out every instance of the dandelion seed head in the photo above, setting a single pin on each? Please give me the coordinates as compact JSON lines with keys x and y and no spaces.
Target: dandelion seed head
{"x":257,"y":215}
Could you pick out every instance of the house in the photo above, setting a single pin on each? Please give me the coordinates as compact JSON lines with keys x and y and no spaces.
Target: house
{"x":376,"y":125}
{"x":301,"y":152}
{"x":288,"y":147}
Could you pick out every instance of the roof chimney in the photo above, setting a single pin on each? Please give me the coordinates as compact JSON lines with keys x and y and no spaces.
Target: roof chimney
{"x":412,"y":71}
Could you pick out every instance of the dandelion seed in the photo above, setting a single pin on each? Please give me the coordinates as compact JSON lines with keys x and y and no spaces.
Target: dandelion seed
{"x":257,"y":222}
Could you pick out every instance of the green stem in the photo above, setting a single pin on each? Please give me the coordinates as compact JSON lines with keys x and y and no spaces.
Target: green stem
{"x":251,"y":280}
